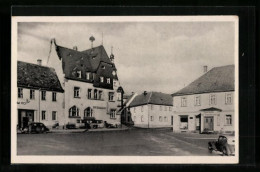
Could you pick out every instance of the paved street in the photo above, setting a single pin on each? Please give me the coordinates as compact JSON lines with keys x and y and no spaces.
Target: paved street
{"x":139,"y":142}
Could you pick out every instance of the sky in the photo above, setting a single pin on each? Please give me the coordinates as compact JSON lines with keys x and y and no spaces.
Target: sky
{"x":149,"y":56}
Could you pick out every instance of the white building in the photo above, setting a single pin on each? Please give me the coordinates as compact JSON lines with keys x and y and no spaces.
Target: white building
{"x":90,"y":81}
{"x":207,"y":104}
{"x":40,"y":95}
{"x":152,"y":110}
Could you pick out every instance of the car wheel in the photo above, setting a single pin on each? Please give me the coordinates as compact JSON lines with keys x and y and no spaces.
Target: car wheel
{"x":38,"y":129}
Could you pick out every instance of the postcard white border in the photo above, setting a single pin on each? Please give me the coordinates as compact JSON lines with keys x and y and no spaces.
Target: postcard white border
{"x":15,"y":159}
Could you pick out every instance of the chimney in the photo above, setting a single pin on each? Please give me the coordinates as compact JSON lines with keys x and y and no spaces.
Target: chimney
{"x":75,"y":48}
{"x":205,"y":69}
{"x":39,"y":62}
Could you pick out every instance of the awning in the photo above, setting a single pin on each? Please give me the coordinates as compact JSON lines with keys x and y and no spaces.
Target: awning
{"x":211,"y":109}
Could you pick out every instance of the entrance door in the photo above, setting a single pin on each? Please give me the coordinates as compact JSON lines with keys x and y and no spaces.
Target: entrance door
{"x":208,"y":123}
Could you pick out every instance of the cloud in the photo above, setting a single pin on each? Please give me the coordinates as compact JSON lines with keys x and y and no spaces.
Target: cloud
{"x":158,"y":56}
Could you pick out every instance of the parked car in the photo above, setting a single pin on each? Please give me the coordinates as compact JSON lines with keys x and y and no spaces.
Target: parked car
{"x":224,"y":144}
{"x":35,"y":127}
{"x":100,"y":123}
{"x":111,"y":125}
{"x":70,"y":126}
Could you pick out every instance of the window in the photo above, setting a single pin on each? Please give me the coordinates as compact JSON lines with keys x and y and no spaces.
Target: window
{"x":88,"y":112}
{"x":197,"y":101}
{"x":43,"y":115}
{"x":142,"y":108}
{"x":54,"y":94}
{"x":43,"y":95}
{"x":108,"y":80}
{"x":20,"y":93}
{"x":160,"y":118}
{"x":95,"y":94}
{"x":170,"y":108}
{"x":165,"y":119}
{"x":111,"y":96}
{"x":89,"y":93}
{"x":151,"y":118}
{"x":142,"y":118}
{"x":112,"y":113}
{"x":54,"y":115}
{"x":76,"y":92}
{"x":100,"y":93}
{"x":101,"y":79}
{"x":183,"y":101}
{"x":78,"y":74}
{"x":32,"y":94}
{"x":160,"y":108}
{"x":88,"y":75}
{"x":73,"y":111}
{"x":228,"y":98}
{"x":212,"y":99}
{"x":228,"y":120}
{"x":165,"y":108}
{"x":151,"y":107}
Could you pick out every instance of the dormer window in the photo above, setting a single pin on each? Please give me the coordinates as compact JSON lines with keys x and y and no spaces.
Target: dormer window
{"x":108,"y":80}
{"x":88,"y":75}
{"x":78,"y":75}
{"x":103,"y":67}
{"x":101,"y":79}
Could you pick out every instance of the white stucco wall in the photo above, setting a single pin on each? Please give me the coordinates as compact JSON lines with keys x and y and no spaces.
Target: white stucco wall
{"x":192,"y":110}
{"x":47,"y":105}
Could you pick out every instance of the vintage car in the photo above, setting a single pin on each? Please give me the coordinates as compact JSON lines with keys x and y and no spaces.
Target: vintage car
{"x":35,"y":127}
{"x":224,"y":144}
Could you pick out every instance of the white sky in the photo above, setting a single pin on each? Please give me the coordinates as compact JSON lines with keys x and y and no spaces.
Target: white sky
{"x":151,"y":56}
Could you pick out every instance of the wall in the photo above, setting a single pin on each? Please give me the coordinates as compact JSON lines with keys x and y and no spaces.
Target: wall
{"x":42,"y":105}
{"x":192,"y":110}
{"x":137,"y":113}
{"x":101,"y":108}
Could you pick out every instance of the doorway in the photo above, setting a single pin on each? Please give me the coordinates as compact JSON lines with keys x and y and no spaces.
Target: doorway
{"x":25,"y":117}
{"x":208,"y":123}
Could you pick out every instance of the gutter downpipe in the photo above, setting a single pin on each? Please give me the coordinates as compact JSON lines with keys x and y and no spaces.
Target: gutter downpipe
{"x":39,"y":105}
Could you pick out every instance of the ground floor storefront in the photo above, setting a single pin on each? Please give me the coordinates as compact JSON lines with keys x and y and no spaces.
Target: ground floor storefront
{"x":210,"y":120}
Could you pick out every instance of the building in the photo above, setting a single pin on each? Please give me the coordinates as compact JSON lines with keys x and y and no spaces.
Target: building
{"x":40,"y":95}
{"x":152,"y":110}
{"x":126,"y":117}
{"x":207,"y":104}
{"x":90,"y":81}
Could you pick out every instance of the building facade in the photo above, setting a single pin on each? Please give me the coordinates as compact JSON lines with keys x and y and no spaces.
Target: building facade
{"x":152,"y":110}
{"x":40,"y":95}
{"x":207,"y":104}
{"x":90,"y":81}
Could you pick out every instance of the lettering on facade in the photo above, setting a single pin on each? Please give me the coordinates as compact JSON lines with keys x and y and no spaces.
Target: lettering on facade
{"x":98,"y":107}
{"x":23,"y":102}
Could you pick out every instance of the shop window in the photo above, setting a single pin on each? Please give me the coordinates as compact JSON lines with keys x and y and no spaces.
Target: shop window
{"x":73,"y":111}
{"x":54,"y":115}
{"x":32,"y":94}
{"x":20,"y":93}
{"x":54,"y":96}
{"x":43,"y":95}
{"x":76,"y":92}
{"x":88,"y":112}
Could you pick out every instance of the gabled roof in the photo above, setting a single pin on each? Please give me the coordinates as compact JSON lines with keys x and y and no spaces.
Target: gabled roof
{"x":218,"y":79}
{"x":156,"y":98}
{"x":37,"y":77}
{"x":94,"y":60}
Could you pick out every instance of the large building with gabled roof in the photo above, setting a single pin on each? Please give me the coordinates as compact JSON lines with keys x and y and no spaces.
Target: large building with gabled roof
{"x":90,"y":81}
{"x":40,"y":95}
{"x":151,"y":110}
{"x":206,"y":104}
